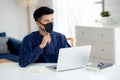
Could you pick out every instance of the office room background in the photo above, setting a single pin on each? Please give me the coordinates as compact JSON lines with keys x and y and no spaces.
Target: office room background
{"x":79,"y":19}
{"x":17,"y":20}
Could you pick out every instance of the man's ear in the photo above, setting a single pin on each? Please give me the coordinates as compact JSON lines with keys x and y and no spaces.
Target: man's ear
{"x":37,"y":23}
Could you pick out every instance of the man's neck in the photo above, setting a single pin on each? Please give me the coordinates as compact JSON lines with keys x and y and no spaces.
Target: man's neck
{"x":43,"y":33}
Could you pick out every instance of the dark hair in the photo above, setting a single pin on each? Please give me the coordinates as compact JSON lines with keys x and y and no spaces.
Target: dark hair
{"x":42,"y":11}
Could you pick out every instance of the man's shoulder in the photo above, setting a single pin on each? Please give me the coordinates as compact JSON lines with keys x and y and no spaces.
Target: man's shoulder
{"x":31,"y":35}
{"x":57,"y":33}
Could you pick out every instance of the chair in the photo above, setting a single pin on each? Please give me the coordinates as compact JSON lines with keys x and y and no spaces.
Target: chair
{"x":71,"y":41}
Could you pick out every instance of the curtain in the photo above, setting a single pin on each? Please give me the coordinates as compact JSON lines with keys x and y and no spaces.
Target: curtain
{"x":70,"y":13}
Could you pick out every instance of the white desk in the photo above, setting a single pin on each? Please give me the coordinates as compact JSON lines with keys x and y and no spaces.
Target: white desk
{"x":11,"y":71}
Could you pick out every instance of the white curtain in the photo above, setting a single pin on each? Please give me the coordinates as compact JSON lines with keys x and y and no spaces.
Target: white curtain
{"x":69,"y":13}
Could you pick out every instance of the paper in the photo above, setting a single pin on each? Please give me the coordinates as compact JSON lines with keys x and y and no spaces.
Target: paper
{"x":40,"y":69}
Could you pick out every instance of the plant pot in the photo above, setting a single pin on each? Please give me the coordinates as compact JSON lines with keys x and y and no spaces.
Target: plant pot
{"x":105,"y":20}
{"x":108,"y":21}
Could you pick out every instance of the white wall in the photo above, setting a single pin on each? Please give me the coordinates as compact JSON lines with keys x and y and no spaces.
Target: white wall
{"x":13,"y":18}
{"x":113,"y":6}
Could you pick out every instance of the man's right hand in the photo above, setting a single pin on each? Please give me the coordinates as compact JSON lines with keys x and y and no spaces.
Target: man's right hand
{"x":46,"y":39}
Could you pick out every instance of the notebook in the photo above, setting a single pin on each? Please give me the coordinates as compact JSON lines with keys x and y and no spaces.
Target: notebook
{"x":72,"y":58}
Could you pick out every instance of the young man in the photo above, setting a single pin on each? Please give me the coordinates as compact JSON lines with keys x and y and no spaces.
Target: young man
{"x":42,"y":46}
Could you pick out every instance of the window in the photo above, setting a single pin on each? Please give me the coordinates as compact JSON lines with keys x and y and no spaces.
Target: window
{"x":69,"y":13}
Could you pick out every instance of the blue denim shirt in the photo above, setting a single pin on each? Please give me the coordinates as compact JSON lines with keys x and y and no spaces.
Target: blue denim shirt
{"x":31,"y":52}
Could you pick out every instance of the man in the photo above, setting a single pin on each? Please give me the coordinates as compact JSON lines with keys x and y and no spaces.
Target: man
{"x":42,"y":46}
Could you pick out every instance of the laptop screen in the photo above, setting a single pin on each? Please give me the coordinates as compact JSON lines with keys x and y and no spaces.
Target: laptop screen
{"x":73,"y":58}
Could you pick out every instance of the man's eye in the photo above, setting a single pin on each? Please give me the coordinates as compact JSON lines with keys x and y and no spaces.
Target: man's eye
{"x":46,"y":20}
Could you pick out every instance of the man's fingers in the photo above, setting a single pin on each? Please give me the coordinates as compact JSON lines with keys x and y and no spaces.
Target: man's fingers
{"x":47,"y":33}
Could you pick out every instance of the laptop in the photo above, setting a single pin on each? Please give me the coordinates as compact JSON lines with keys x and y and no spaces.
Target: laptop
{"x":72,"y":58}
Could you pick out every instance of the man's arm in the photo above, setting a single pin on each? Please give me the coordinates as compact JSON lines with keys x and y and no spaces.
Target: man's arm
{"x":28,"y":55}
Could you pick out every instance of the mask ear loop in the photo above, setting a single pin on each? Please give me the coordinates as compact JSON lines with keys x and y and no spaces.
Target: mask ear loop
{"x":41,"y":28}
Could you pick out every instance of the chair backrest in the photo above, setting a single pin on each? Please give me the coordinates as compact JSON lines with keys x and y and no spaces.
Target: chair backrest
{"x":71,"y":41}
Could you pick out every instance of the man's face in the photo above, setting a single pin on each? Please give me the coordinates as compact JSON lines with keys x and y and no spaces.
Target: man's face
{"x":45,"y":19}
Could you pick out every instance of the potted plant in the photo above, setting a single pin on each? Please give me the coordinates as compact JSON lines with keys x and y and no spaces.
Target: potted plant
{"x":105,"y":14}
{"x":105,"y":17}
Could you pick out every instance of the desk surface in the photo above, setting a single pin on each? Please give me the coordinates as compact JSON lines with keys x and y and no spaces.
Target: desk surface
{"x":11,"y":71}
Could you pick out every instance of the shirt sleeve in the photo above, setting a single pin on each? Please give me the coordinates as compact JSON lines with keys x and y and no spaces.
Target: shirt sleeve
{"x":27,"y":55}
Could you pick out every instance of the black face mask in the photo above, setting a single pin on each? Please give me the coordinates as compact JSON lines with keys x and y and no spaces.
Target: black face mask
{"x":48,"y":27}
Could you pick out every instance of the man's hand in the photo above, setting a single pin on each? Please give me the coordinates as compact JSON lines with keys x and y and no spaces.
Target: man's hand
{"x":46,"y":39}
